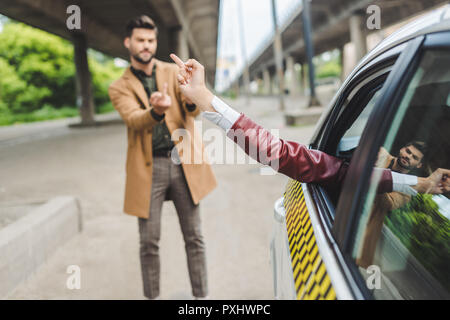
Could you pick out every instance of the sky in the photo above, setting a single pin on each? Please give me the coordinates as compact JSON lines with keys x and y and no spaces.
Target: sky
{"x":258,"y":29}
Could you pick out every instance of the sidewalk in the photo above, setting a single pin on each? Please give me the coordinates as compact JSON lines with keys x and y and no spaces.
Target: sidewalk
{"x":89,"y":163}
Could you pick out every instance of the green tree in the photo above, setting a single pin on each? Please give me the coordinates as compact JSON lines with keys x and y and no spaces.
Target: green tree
{"x":11,"y":87}
{"x":44,"y":62}
{"x":37,"y":72}
{"x":329,"y":69}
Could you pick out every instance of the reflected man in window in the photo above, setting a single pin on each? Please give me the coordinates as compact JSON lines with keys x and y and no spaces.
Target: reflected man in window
{"x":411,"y":157}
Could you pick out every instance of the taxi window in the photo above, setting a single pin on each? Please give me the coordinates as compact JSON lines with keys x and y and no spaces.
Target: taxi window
{"x":402,"y":243}
{"x":354,"y":112}
{"x":350,"y":141}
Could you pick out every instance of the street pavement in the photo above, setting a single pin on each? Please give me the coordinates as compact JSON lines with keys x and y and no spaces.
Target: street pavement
{"x":42,"y":162}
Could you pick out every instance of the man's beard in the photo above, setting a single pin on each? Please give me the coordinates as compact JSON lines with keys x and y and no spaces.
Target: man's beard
{"x":140,"y":60}
{"x":404,"y":166}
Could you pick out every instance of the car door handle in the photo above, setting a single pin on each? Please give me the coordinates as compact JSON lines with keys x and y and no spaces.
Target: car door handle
{"x":279,"y":211}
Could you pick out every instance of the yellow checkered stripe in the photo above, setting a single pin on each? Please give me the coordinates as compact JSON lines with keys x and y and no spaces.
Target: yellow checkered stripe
{"x":310,"y":275}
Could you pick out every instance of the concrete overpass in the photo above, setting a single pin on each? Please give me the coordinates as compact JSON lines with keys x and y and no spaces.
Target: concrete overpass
{"x":334,"y":23}
{"x":188,"y":28}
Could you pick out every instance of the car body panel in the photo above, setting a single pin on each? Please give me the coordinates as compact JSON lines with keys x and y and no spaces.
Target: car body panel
{"x":284,"y":286}
{"x":310,"y":274}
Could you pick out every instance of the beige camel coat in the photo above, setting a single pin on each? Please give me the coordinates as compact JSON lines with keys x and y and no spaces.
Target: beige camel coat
{"x":130,"y":99}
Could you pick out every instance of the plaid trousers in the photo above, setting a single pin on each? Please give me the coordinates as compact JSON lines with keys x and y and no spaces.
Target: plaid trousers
{"x":168,"y":179}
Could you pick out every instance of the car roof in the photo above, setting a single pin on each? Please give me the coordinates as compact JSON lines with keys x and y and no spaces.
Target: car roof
{"x":436,"y":21}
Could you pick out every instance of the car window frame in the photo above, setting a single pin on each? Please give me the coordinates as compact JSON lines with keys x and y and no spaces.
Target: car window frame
{"x":345,"y":114}
{"x":348,"y":211}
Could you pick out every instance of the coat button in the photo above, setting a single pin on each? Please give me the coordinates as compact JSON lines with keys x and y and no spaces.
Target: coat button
{"x":147,"y":164}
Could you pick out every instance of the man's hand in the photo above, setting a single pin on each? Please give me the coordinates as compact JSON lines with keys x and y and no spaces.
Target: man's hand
{"x":161,"y":101}
{"x":191,"y":78}
{"x":436,"y":183}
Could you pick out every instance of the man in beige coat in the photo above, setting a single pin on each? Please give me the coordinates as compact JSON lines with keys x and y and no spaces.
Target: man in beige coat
{"x":149,"y":100}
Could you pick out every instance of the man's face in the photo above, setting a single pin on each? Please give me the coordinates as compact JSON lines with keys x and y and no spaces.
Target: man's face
{"x":410,"y":158}
{"x":142,"y":44}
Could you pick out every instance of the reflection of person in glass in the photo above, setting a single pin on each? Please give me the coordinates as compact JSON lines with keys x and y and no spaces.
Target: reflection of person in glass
{"x":410,"y":157}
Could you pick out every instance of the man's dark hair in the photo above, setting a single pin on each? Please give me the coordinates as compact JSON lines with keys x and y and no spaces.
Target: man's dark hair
{"x":419,"y":145}
{"x":140,"y":22}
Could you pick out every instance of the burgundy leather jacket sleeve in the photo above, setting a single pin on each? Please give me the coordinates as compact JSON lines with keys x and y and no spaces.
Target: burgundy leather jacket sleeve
{"x":291,"y":158}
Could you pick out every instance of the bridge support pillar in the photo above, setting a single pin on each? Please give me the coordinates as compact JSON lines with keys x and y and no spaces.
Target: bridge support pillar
{"x":267,"y":85}
{"x":278,"y":54}
{"x":182,"y":45}
{"x":292,"y":77}
{"x":236,"y":89}
{"x":85,"y":101}
{"x":357,"y":35}
{"x":303,"y":84}
{"x":342,"y":62}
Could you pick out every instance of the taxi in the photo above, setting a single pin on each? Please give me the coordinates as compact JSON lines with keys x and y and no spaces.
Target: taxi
{"x":355,"y":243}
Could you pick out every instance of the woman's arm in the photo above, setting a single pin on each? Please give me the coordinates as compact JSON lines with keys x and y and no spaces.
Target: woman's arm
{"x":290,"y":158}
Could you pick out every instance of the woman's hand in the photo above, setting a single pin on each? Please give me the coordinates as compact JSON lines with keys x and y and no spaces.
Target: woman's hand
{"x":191,"y":79}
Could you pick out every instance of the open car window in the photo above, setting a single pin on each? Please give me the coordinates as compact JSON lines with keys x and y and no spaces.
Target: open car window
{"x":350,"y":141}
{"x":350,"y":123}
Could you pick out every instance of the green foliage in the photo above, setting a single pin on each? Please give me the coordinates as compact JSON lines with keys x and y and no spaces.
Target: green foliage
{"x":41,"y":60}
{"x":37,"y":75}
{"x":327,"y":64}
{"x":425,"y":233}
{"x":102,"y":76}
{"x":231,"y":94}
{"x":11,"y":87}
{"x":329,"y":69}
{"x":105,"y":108}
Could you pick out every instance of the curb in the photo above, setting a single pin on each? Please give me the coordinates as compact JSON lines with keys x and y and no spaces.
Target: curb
{"x":304,"y":117}
{"x":31,"y":240}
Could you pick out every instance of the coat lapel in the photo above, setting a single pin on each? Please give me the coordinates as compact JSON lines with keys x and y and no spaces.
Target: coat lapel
{"x":137,"y":87}
{"x":160,"y":75}
{"x":161,"y":78}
